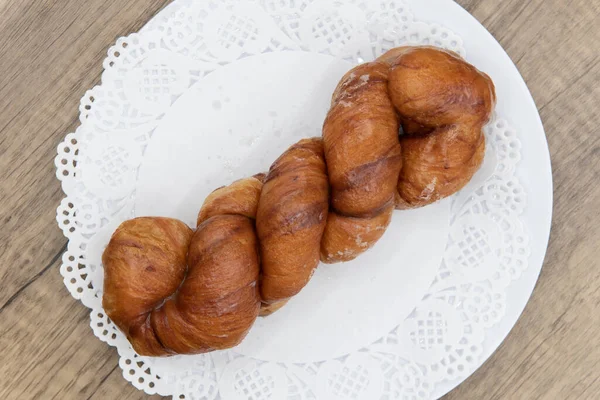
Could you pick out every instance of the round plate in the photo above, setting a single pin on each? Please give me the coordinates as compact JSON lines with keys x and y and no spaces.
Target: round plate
{"x":210,"y":92}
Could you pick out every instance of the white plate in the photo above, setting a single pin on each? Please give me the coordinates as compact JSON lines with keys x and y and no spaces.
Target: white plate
{"x":186,"y":106}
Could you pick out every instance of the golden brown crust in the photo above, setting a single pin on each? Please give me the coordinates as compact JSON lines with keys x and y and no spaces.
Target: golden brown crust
{"x":363,"y":159}
{"x":218,"y":301}
{"x":440,"y":101}
{"x":164,"y":309}
{"x":292,"y":214}
{"x":361,"y":143}
{"x":437,"y":165}
{"x":258,"y":241}
{"x":239,"y":198}
{"x":434,"y":88}
{"x":144,"y":264}
{"x":443,"y":104}
{"x":346,"y":238}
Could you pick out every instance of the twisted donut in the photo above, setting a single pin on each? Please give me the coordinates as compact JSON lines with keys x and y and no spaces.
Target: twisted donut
{"x":258,"y":241}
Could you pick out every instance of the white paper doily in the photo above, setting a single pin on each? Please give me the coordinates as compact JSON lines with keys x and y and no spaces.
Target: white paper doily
{"x":443,"y":340}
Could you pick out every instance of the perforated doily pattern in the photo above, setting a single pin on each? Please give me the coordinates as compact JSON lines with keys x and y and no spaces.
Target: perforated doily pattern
{"x":144,"y":75}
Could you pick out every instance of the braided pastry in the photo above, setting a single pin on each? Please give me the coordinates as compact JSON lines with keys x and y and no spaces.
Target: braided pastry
{"x":258,"y":241}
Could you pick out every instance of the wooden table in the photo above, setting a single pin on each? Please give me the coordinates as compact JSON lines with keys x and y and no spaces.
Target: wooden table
{"x":51,"y":52}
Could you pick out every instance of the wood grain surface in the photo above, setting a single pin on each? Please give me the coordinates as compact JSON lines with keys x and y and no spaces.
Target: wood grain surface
{"x":51,"y":52}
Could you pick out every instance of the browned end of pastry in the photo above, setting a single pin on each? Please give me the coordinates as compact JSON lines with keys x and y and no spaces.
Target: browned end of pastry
{"x":443,"y":103}
{"x":144,"y":264}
